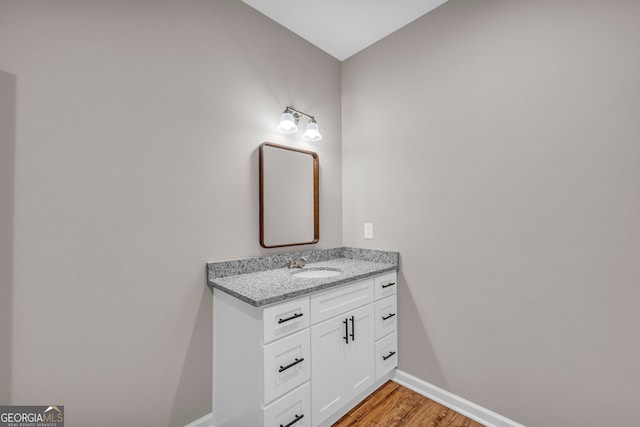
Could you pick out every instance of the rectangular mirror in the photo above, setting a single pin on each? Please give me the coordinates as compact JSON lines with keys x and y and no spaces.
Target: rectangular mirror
{"x":289,"y":196}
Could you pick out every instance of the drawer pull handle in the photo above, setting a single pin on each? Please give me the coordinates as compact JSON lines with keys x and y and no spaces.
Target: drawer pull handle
{"x":391,"y":353}
{"x":346,"y":331}
{"x":295,"y":316}
{"x":298,"y":418}
{"x":353,"y":328}
{"x":388,"y":284}
{"x":388,"y":317}
{"x":290,"y":365}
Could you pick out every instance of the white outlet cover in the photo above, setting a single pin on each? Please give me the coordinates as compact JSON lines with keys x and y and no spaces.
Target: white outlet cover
{"x":368,"y":231}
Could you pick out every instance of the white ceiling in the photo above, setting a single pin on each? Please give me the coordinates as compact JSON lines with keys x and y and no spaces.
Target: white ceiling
{"x":343,"y":27}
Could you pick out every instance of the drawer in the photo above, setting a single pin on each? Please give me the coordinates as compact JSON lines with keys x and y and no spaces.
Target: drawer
{"x":340,"y":300}
{"x":286,"y":410}
{"x":386,"y":355}
{"x":386,"y":285}
{"x":284,"y":319}
{"x":386,"y":316}
{"x":286,"y":364}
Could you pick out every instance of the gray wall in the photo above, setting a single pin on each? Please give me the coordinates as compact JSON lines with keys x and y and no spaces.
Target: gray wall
{"x":7,"y":161}
{"x":496,"y":145}
{"x":138,"y":125}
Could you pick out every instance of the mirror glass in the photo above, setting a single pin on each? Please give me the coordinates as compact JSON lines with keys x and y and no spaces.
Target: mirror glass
{"x":289,"y":211}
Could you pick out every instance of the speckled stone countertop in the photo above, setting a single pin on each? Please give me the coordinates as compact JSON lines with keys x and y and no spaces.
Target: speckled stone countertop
{"x":265,"y":280}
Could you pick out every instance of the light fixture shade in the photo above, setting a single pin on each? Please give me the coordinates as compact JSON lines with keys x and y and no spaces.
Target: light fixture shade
{"x":287,"y":123}
{"x":313,"y":132}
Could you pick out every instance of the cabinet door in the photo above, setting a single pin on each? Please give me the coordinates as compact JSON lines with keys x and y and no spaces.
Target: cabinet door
{"x":343,"y":365}
{"x":360,"y":362}
{"x":328,"y":351}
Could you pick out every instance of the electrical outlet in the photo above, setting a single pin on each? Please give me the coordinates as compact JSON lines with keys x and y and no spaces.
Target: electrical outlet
{"x":368,"y":231}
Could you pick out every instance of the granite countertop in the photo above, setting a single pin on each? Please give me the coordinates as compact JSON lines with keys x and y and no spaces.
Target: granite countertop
{"x":269,"y":285}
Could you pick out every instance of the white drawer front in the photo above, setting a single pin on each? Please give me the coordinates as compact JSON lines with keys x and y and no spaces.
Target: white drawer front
{"x":294,"y":406}
{"x":283,"y":319}
{"x":338,"y":301}
{"x":386,"y":285}
{"x":286,"y":364}
{"x":386,"y":316}
{"x":386,"y":355}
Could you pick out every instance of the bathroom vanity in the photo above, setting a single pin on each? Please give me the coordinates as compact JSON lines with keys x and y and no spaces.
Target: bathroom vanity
{"x":301,"y":347}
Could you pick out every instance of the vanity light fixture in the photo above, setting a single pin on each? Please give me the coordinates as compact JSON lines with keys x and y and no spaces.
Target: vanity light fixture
{"x":289,"y":124}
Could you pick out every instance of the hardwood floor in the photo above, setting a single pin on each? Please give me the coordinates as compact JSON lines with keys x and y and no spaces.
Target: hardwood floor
{"x":393,"y":405}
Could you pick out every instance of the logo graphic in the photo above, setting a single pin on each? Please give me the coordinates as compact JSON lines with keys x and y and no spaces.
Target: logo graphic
{"x":32,"y":416}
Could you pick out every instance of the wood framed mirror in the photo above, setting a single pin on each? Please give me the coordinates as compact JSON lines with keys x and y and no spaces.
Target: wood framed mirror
{"x":289,"y":196}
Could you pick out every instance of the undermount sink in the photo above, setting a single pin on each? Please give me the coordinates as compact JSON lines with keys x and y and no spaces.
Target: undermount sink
{"x":316,"y":274}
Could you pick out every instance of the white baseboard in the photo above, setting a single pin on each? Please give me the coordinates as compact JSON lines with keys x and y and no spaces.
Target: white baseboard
{"x":456,"y":403}
{"x":206,"y":421}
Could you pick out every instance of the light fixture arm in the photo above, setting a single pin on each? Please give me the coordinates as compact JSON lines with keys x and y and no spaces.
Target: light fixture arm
{"x":297,"y":114}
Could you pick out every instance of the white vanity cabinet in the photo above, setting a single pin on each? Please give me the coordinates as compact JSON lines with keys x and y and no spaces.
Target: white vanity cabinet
{"x":302,"y":362}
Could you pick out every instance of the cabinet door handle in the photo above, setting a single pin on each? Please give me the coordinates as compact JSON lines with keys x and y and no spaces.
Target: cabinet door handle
{"x":290,"y":365}
{"x":298,"y":418}
{"x":388,"y":284}
{"x":353,"y":328}
{"x":391,"y":353}
{"x":346,"y":331}
{"x":388,"y":317}
{"x":295,"y":316}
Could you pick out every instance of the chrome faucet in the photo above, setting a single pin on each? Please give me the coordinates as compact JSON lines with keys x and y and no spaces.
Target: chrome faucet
{"x":299,"y":263}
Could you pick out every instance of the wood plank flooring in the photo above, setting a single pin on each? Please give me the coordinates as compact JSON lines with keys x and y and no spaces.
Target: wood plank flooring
{"x":393,"y":405}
